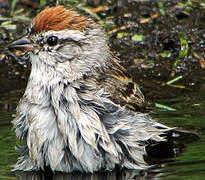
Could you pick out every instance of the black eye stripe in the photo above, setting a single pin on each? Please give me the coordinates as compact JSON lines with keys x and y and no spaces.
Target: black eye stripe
{"x":52,"y":41}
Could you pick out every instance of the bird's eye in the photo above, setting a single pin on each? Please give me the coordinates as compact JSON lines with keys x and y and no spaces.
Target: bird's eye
{"x":52,"y":41}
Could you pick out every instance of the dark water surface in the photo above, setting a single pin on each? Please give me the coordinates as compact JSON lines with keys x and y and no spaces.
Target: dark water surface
{"x":189,"y":150}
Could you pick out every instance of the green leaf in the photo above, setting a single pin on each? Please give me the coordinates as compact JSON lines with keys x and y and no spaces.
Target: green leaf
{"x":184,"y":45}
{"x":137,"y":37}
{"x":120,"y":35}
{"x":161,"y":8}
{"x":42,"y":2}
{"x":184,"y":49}
{"x":166,"y":54}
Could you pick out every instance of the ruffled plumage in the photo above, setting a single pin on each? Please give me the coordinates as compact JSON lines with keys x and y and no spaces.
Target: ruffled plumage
{"x":81,"y":111}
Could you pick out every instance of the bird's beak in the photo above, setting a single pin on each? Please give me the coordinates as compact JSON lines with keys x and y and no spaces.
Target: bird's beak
{"x":23,"y":44}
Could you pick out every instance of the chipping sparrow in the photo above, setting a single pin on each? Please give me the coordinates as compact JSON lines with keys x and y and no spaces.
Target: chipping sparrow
{"x":81,"y":109}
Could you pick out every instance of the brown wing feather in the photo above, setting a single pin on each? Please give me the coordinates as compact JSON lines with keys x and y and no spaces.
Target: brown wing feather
{"x":119,"y":84}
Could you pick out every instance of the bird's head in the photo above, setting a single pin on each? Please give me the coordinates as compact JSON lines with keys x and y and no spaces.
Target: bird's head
{"x":61,"y":39}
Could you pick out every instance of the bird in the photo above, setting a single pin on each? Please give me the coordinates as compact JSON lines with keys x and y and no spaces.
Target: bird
{"x":81,"y":110}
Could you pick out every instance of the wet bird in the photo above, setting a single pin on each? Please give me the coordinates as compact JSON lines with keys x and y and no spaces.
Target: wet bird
{"x":81,"y":110}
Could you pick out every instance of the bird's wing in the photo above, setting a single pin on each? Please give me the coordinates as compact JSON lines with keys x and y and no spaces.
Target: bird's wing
{"x":121,"y":88}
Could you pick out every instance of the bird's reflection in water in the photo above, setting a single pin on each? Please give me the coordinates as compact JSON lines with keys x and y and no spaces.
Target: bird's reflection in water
{"x":110,"y":175}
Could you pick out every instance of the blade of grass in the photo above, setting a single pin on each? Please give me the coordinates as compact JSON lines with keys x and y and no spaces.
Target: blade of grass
{"x":13,"y":5}
{"x":161,"y":106}
{"x":174,"y":80}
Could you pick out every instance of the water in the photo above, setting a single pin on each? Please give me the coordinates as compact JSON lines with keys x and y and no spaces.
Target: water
{"x":189,"y":162}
